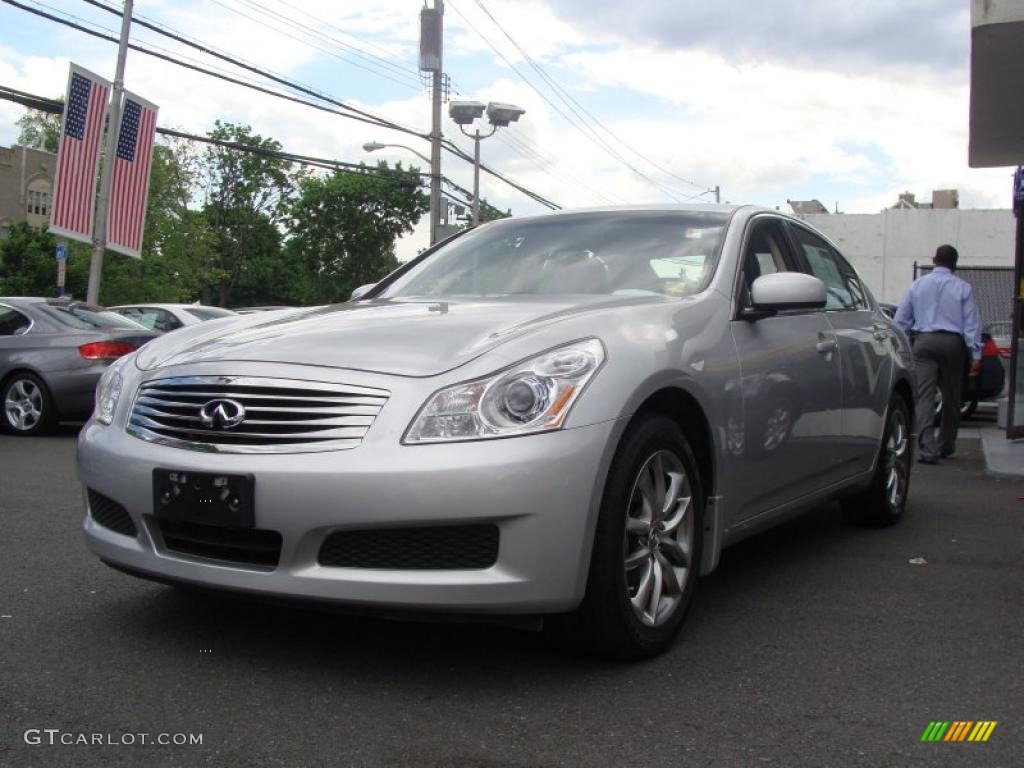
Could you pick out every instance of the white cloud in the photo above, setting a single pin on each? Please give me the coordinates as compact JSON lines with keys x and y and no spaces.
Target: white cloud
{"x":763,"y":130}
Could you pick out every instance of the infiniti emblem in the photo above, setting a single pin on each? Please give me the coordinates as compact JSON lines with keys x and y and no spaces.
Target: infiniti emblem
{"x":222,"y":414}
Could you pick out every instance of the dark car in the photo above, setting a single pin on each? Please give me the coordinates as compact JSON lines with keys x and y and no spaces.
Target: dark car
{"x":52,"y":353}
{"x":987,"y":384}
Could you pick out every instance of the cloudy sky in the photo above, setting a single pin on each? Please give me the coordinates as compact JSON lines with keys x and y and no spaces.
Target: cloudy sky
{"x":847,"y":101}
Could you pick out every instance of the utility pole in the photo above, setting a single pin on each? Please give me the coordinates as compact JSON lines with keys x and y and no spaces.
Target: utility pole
{"x":718,"y":194}
{"x":99,"y":232}
{"x":431,"y":58}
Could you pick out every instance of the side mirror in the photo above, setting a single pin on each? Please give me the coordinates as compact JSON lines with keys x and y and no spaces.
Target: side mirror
{"x":786,"y":290}
{"x":361,"y":291}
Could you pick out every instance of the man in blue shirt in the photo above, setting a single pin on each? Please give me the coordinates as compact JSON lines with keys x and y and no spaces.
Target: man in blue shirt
{"x":942,"y":320}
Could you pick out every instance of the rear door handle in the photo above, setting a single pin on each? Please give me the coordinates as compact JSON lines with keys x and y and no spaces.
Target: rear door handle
{"x":880,"y":331}
{"x":826,"y":343}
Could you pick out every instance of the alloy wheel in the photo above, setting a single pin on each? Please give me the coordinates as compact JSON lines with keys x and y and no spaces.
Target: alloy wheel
{"x":897,"y":459}
{"x":659,"y":538}
{"x":23,"y":405}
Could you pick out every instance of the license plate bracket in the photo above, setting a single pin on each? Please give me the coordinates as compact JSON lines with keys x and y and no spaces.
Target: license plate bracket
{"x":206,"y":498}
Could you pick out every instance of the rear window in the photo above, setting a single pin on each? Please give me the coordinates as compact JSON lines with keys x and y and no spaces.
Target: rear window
{"x":87,"y":317}
{"x":209,"y":313}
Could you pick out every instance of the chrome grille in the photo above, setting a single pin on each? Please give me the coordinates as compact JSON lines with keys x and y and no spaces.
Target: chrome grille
{"x":280,"y":415}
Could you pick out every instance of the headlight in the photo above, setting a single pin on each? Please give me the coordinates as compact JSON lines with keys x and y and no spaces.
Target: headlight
{"x":108,"y":391}
{"x":532,"y":396}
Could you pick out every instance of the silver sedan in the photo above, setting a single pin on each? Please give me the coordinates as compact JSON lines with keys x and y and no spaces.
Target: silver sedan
{"x":52,"y":353}
{"x":566,"y":416}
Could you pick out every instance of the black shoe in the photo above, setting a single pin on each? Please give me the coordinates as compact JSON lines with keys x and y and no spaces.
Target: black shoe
{"x":947,"y":454}
{"x":925,"y":458}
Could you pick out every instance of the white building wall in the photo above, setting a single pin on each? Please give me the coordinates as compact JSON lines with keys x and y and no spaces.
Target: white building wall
{"x":884,"y":246}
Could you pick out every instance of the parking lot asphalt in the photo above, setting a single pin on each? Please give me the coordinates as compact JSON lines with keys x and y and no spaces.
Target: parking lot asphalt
{"x":816,"y":644}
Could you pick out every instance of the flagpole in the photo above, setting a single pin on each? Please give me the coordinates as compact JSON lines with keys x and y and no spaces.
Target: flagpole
{"x":99,"y":237}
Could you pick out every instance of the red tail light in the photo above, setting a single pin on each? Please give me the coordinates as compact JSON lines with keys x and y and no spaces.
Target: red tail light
{"x":990,"y":349}
{"x":105,"y":350}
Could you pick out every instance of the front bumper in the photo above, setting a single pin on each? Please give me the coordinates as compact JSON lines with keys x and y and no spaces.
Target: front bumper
{"x":541,"y":491}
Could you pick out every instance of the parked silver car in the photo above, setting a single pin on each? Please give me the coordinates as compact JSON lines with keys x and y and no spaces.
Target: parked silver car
{"x":52,"y":353}
{"x":567,"y":415}
{"x":169,"y":317}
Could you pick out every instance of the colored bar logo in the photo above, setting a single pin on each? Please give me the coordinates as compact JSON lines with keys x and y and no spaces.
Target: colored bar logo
{"x":958,"y":730}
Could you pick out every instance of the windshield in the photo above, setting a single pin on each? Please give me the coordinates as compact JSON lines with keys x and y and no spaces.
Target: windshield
{"x":622,"y":253}
{"x":209,"y":313}
{"x":87,"y":317}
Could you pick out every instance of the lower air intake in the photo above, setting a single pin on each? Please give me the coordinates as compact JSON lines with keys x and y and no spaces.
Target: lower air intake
{"x":110,"y":514}
{"x":440,"y":548}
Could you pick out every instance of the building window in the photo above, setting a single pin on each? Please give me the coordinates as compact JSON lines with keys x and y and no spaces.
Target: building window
{"x":39,"y":198}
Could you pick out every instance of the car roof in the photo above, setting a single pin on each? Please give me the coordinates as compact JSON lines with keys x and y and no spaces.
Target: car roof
{"x":726,"y":208}
{"x":165,"y":305}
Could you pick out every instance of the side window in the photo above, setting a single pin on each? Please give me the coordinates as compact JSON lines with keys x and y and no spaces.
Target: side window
{"x":765,"y":253}
{"x":138,"y":315}
{"x":12,"y":322}
{"x":843,"y":289}
{"x":165,"y":321}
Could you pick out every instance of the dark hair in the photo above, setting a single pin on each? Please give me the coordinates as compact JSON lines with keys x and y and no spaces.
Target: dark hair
{"x":946,"y":256}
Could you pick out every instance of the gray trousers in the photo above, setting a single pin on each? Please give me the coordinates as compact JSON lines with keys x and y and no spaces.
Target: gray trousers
{"x":939,"y":359}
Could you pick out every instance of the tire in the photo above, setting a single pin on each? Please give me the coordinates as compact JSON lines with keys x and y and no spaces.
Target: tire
{"x":27,"y":406}
{"x":641,"y":563}
{"x":883,"y":502}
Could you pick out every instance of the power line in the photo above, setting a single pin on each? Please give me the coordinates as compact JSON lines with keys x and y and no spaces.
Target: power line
{"x":287,"y":22}
{"x":369,"y":58}
{"x":581,"y":126}
{"x":252,"y":68}
{"x":570,"y":101}
{"x":351,"y":113}
{"x":522,"y":147}
{"x":578,"y":121}
{"x":323,"y":22}
{"x":54,"y":106}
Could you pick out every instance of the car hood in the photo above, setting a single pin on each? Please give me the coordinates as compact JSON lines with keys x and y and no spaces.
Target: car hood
{"x":403,"y":338}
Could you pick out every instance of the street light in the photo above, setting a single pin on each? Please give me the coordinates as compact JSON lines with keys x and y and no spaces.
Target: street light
{"x":465,"y":113}
{"x":373,"y":146}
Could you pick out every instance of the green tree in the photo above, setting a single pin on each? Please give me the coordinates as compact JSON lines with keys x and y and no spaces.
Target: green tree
{"x":179,"y":247}
{"x":39,"y":130}
{"x":28,"y":264}
{"x":343,"y":228}
{"x":247,"y":196}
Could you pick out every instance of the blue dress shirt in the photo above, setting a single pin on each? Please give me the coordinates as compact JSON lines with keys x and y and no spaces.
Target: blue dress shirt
{"x":941,"y":301}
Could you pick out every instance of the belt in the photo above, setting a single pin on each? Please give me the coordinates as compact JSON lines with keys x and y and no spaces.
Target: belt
{"x":941,"y":333}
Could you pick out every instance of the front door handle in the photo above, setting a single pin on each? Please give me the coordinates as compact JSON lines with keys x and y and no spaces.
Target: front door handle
{"x":826,"y":344}
{"x":880,"y":331}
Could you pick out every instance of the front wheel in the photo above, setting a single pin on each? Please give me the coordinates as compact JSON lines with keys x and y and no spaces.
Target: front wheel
{"x":28,"y":407}
{"x":647,"y":545}
{"x":883,"y":502}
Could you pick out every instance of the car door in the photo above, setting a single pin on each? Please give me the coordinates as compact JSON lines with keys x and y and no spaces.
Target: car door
{"x":789,"y":423}
{"x":865,"y":341}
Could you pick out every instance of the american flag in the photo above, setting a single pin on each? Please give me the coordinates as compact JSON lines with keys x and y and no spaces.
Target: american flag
{"x":74,"y":194}
{"x":129,"y":186}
